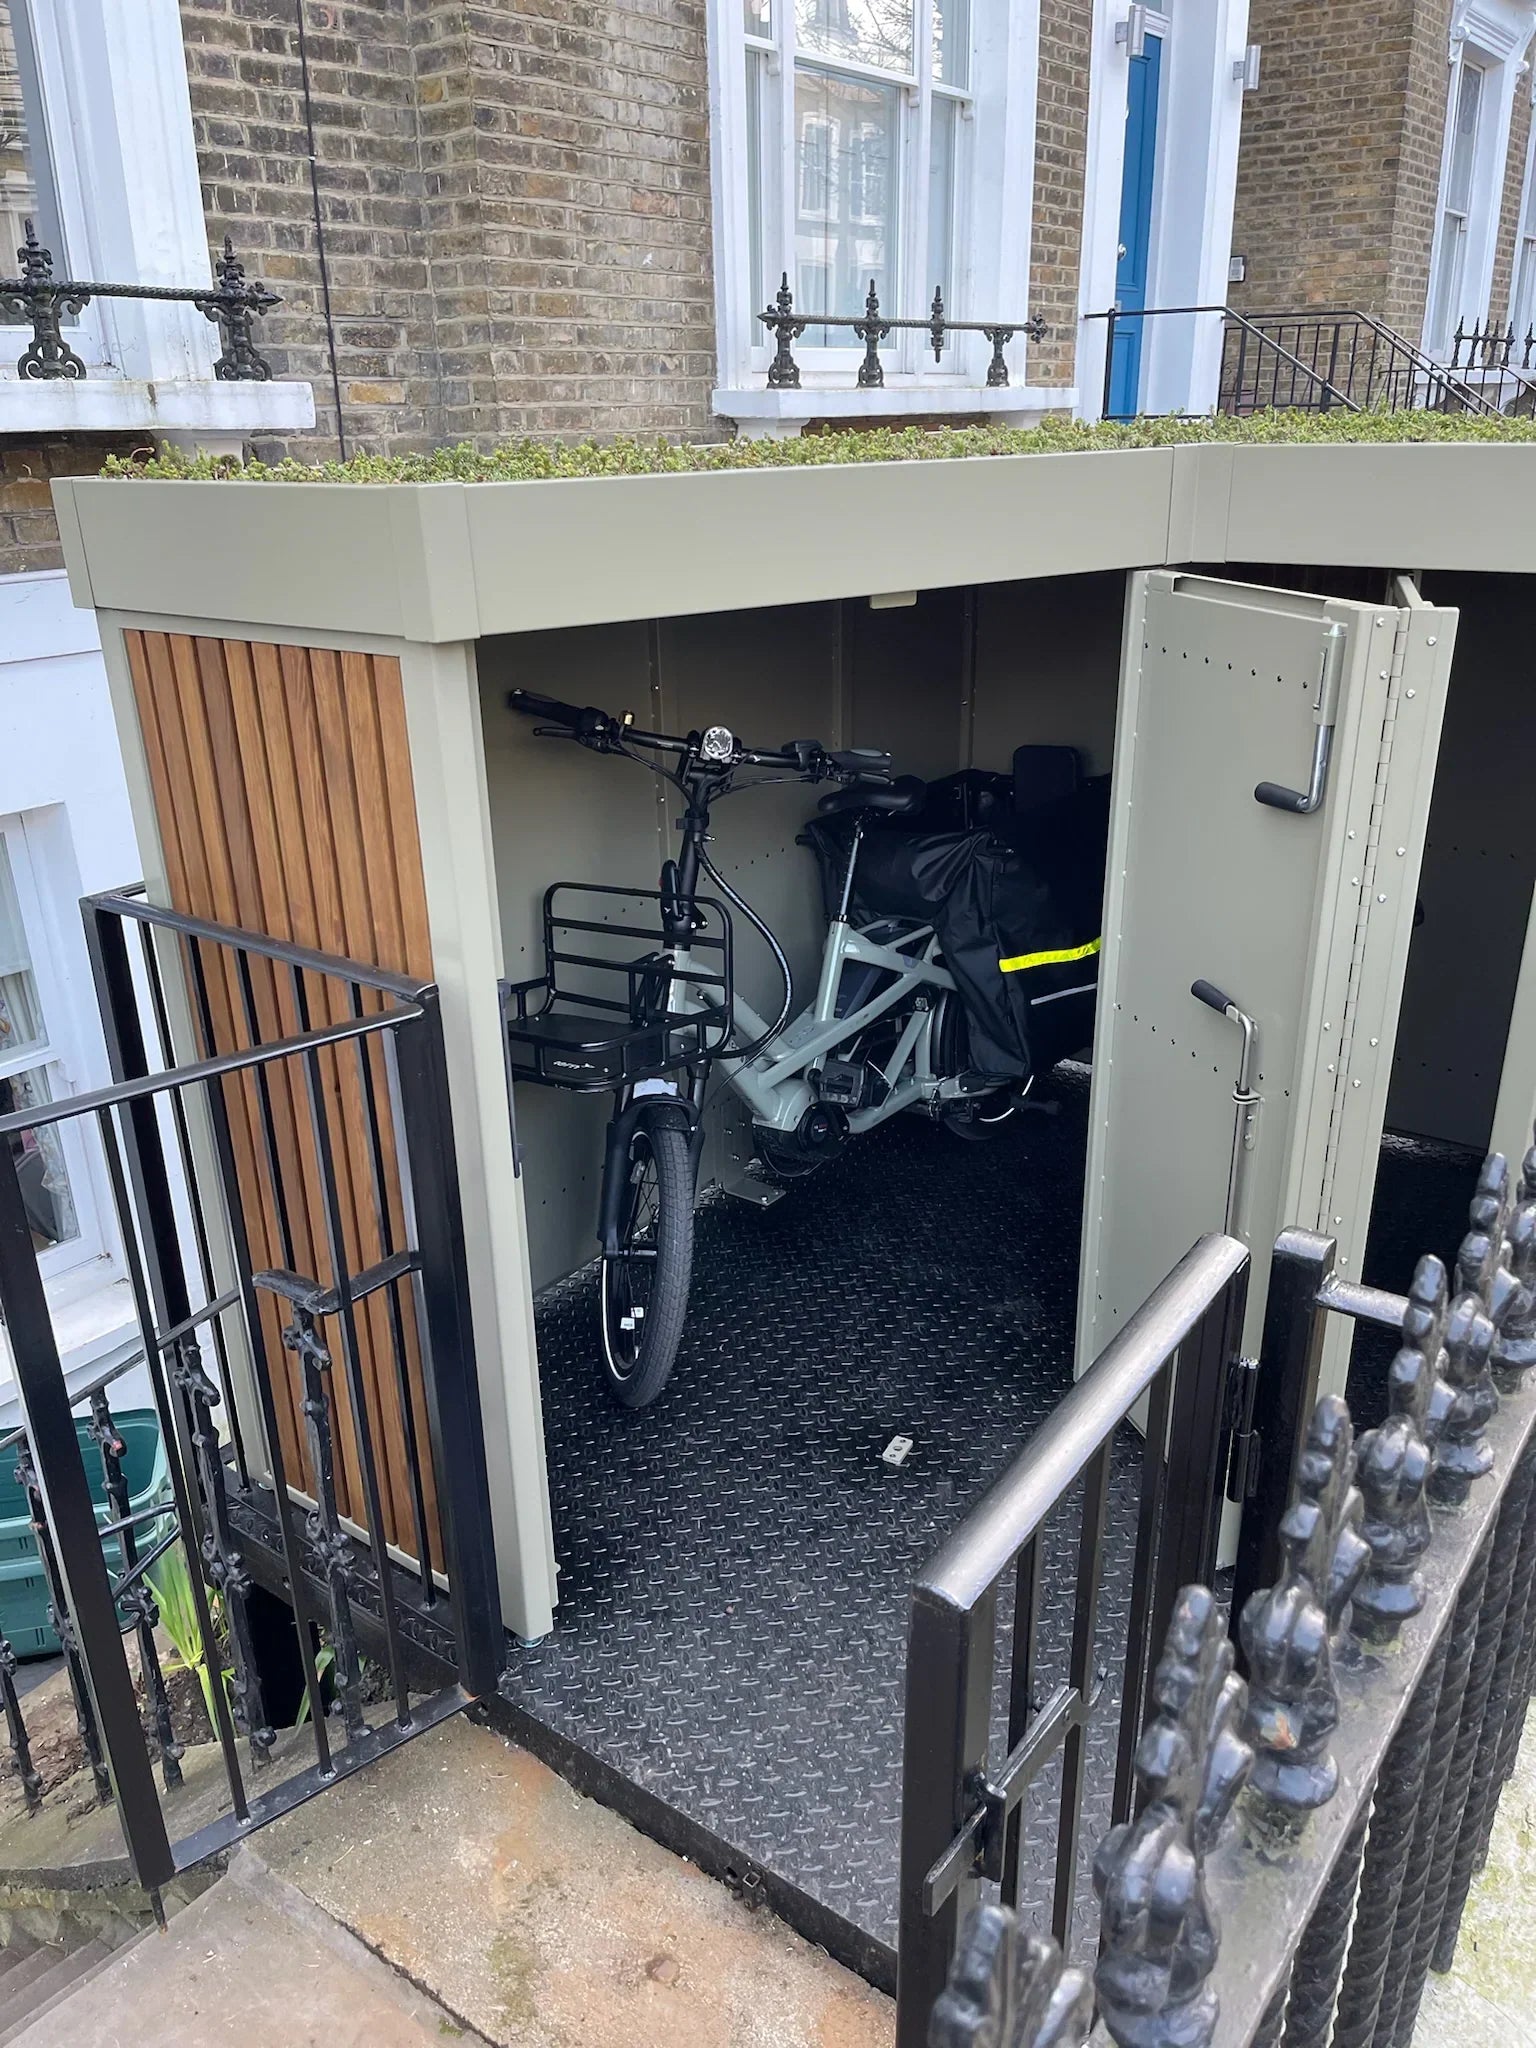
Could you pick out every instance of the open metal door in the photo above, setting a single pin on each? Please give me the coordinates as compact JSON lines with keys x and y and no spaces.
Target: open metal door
{"x":1274,"y":758}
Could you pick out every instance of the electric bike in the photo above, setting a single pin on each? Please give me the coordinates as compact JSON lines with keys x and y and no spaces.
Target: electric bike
{"x":885,"y":1031}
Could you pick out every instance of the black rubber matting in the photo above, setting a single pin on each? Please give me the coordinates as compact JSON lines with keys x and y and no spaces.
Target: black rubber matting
{"x":735,"y":1561}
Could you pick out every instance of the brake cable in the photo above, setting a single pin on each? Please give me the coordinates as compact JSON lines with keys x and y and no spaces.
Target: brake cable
{"x":615,"y":745}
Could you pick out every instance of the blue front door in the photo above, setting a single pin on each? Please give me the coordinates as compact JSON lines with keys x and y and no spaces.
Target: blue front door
{"x":1135,"y":226}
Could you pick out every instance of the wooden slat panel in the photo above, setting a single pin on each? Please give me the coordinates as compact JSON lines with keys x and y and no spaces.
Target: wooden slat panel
{"x":282,"y":787}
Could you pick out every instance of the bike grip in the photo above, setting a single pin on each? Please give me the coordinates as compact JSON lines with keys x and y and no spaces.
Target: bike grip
{"x":1208,"y":993}
{"x":533,"y":706}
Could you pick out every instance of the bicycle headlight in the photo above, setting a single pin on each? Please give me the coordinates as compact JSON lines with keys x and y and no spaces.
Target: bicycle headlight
{"x":718,"y":744}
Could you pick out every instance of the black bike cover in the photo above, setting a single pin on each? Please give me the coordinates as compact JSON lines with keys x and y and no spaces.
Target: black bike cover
{"x":1017,"y":917}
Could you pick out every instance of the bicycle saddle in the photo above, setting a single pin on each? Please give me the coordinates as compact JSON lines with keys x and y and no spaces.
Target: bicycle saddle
{"x":898,"y":799}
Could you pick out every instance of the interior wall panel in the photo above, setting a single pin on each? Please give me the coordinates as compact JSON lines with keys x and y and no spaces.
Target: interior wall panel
{"x":1048,"y":668}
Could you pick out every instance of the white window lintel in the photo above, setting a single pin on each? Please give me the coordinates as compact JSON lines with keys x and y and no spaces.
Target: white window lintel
{"x":1500,"y":29}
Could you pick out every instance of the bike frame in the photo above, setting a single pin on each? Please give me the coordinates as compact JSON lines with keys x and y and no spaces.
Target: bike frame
{"x":775,"y":1085}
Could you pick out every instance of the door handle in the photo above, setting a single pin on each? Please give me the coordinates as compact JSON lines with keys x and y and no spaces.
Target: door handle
{"x":1303,"y":802}
{"x":1245,"y":1099}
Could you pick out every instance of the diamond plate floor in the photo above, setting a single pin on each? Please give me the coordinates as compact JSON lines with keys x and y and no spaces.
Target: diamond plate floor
{"x":735,"y":1562}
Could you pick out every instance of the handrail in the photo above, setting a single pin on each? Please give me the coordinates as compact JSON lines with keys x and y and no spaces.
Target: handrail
{"x":172,"y":1079}
{"x":1117,"y":313}
{"x":1445,"y":375}
{"x":131,"y":900}
{"x":962,"y":1806}
{"x":1013,"y":1508}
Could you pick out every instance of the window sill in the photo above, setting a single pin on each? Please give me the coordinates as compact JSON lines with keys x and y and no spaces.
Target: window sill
{"x":93,"y":1325}
{"x":105,"y":404}
{"x":761,"y":411}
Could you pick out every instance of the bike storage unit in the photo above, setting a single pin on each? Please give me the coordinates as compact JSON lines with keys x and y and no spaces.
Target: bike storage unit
{"x":1293,"y":990}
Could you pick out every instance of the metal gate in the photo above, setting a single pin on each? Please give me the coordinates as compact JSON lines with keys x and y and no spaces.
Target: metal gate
{"x":277,"y":1152}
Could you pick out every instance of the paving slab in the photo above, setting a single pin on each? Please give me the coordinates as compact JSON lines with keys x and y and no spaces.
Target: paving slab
{"x":543,"y":1920}
{"x":245,"y":1963}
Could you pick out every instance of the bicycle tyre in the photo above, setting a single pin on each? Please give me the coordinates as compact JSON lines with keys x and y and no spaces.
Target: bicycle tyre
{"x":657,"y":1219}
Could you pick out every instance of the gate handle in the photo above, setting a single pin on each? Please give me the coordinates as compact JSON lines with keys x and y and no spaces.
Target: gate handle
{"x":1303,"y":802}
{"x":1245,"y":1098}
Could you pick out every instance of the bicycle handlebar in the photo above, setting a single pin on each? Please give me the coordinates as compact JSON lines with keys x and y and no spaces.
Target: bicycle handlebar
{"x":585,"y":723}
{"x":805,"y":757}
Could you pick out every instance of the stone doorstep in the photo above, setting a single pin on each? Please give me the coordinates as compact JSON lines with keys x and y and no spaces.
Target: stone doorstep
{"x":543,"y":1920}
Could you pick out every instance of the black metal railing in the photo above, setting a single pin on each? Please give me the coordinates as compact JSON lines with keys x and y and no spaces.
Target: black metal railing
{"x":1305,"y":385}
{"x":268,"y":1100}
{"x":1495,"y":363}
{"x":1339,"y":359}
{"x":961,"y":1809}
{"x":1374,"y":366}
{"x":1303,"y":1842}
{"x":42,"y":301}
{"x":872,"y":327}
{"x":132,"y":1589}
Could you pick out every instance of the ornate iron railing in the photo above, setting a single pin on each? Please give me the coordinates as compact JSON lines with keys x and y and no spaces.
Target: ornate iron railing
{"x":42,"y":301}
{"x":872,"y":327}
{"x":1486,"y":355}
{"x":300,"y":1103}
{"x":1303,"y":1842}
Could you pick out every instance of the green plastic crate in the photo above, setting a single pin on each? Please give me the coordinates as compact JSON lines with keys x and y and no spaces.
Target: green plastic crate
{"x":23,"y":1589}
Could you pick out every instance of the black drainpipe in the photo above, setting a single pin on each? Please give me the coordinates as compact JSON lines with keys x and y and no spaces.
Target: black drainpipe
{"x":314,"y":193}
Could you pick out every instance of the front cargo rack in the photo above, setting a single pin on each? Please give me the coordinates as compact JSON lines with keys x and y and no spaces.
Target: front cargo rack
{"x":570,"y":1028}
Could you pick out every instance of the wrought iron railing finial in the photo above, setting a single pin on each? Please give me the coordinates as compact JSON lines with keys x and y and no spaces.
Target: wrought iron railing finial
{"x":41,"y":301}
{"x":1159,"y":1936}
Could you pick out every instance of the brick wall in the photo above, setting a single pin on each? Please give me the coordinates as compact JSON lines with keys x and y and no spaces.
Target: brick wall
{"x":1061,"y":154}
{"x":1416,"y":165}
{"x":515,"y":202}
{"x":1322,"y":146}
{"x":29,"y":534}
{"x":1339,"y":173}
{"x":249,"y":124}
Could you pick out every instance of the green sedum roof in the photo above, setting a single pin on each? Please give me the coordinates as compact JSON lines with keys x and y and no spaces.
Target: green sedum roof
{"x":531,"y":461}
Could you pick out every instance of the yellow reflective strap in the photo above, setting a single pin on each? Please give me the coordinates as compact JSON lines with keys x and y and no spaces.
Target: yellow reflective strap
{"x":1058,"y":959}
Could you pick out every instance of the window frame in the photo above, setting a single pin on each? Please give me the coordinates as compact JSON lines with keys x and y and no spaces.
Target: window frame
{"x":993,"y":195}
{"x":1522,"y":274}
{"x":59,"y":1054}
{"x":113,"y":84}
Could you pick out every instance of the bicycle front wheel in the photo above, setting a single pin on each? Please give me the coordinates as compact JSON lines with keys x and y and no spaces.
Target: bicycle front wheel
{"x":645,"y":1284}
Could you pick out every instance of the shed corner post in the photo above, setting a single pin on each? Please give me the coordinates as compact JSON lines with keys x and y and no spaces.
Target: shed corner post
{"x":442,"y":714}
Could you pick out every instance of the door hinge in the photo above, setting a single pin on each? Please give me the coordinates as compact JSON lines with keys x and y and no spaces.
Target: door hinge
{"x":1244,"y":1446}
{"x":1369,"y":856}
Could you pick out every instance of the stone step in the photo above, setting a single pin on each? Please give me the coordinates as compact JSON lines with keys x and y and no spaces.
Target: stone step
{"x":16,"y":1950}
{"x":21,"y":2005}
{"x":542,"y":1919}
{"x":17,"y":1988}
